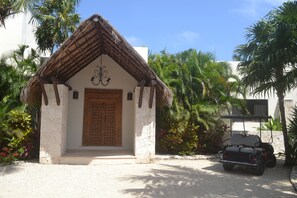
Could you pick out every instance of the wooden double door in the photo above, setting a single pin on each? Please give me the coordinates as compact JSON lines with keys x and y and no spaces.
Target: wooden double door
{"x":102,"y":117}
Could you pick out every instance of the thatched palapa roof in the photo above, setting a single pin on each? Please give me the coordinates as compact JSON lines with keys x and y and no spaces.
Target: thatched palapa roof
{"x":94,"y":37}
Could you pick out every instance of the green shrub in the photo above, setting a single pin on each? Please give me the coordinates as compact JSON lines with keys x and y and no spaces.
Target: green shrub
{"x":273,"y":124}
{"x":16,"y":133}
{"x":210,"y":141}
{"x":292,"y":135}
{"x":181,"y":138}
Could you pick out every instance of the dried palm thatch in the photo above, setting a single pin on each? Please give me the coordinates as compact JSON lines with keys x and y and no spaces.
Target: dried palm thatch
{"x":94,"y":37}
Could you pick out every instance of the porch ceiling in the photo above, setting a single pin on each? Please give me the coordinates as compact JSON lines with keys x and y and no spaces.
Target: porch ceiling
{"x":94,"y":37}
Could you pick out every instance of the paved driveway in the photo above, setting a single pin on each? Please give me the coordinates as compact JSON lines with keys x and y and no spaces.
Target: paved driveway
{"x":165,"y":178}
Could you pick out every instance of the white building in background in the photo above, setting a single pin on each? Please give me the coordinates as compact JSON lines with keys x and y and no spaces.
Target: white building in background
{"x":17,"y":31}
{"x":267,"y":105}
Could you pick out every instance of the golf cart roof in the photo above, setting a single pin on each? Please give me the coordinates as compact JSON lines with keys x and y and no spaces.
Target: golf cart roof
{"x":246,"y":117}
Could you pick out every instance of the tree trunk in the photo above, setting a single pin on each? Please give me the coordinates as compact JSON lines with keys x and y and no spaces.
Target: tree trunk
{"x":284,"y":128}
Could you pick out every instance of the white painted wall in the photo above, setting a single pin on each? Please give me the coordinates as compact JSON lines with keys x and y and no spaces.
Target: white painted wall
{"x":143,"y":51}
{"x":272,"y":99}
{"x":18,"y":31}
{"x":120,"y":79}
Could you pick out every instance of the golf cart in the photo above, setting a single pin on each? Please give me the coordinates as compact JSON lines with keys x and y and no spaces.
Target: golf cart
{"x":247,"y":150}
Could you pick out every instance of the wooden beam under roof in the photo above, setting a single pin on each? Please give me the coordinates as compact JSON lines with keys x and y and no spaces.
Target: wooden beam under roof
{"x":141,"y":85}
{"x":53,"y":78}
{"x":45,"y":98}
{"x":56,"y":90}
{"x":152,"y":90}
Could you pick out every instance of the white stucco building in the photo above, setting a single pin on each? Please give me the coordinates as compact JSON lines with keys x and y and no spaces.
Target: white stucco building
{"x":17,"y":31}
{"x":267,"y":105}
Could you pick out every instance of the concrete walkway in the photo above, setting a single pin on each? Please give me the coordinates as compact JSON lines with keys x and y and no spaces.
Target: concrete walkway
{"x":165,"y":178}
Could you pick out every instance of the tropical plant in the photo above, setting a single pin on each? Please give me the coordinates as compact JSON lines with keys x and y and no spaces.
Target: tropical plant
{"x":4,"y":77}
{"x":15,"y":71}
{"x":273,"y":125}
{"x":24,"y":5}
{"x":269,"y":57}
{"x":15,"y":128}
{"x":55,"y":22}
{"x":11,"y":7}
{"x":16,"y":136}
{"x":201,"y":90}
{"x":200,"y":85}
{"x":210,"y":141}
{"x":292,"y":134}
{"x":6,"y":9}
{"x":181,"y":138}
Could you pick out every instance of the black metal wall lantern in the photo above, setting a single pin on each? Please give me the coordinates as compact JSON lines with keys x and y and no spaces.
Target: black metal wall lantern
{"x":100,"y":75}
{"x":75,"y":95}
{"x":129,"y":96}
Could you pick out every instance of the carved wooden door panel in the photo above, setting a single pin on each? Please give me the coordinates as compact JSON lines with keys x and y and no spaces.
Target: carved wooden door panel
{"x":102,"y":118}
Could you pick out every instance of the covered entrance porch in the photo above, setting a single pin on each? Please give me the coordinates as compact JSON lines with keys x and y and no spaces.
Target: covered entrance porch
{"x":54,"y":134}
{"x":98,"y":99}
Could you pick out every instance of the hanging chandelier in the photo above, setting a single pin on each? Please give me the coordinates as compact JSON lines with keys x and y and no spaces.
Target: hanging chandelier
{"x":100,"y":75}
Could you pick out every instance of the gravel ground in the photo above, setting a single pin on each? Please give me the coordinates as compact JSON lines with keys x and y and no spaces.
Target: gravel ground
{"x":165,"y":178}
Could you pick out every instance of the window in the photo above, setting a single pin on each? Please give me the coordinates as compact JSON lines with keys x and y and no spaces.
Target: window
{"x":254,"y":107}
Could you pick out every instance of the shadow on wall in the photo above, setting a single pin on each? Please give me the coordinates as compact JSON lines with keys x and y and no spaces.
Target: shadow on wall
{"x":179,"y":181}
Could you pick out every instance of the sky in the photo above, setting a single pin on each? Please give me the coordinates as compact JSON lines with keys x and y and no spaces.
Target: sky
{"x":215,"y":26}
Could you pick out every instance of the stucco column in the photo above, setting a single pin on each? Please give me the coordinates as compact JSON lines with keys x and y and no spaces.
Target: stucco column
{"x":53,"y":125}
{"x":145,"y":127}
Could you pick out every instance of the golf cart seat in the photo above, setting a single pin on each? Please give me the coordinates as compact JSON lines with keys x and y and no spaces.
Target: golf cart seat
{"x":248,"y":141}
{"x":244,"y":144}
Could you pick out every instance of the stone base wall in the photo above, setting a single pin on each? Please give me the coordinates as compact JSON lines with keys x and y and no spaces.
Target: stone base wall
{"x":145,"y":127}
{"x":53,"y":125}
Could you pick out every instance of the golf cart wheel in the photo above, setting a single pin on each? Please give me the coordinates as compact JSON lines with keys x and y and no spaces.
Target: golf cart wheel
{"x":271,"y":162}
{"x":228,"y":167}
{"x":259,"y":170}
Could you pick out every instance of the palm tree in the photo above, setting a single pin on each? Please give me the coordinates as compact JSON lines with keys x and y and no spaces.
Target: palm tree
{"x":268,"y":56}
{"x":200,"y":85}
{"x":24,"y":5}
{"x":201,"y":89}
{"x":15,"y":71}
{"x":167,"y":68}
{"x":55,"y":22}
{"x":12,"y":7}
{"x":6,"y":9}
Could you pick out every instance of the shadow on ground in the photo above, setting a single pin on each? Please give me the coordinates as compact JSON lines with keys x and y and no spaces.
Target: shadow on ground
{"x":212,"y":181}
{"x":14,"y":167}
{"x":8,"y":169}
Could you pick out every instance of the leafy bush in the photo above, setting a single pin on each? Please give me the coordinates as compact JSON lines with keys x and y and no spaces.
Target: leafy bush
{"x":181,"y":138}
{"x":201,"y":88}
{"x":292,"y":135}
{"x":210,"y":141}
{"x":8,"y":155}
{"x":273,"y":124}
{"x":16,"y":136}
